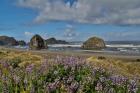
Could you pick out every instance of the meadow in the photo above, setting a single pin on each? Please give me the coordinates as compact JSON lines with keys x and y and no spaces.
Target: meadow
{"x":27,"y":72}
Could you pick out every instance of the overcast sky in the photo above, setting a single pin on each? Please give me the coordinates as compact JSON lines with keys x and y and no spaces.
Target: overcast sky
{"x":71,"y":19}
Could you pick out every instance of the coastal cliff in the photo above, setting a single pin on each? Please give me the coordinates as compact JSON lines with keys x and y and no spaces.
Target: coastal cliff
{"x":8,"y":41}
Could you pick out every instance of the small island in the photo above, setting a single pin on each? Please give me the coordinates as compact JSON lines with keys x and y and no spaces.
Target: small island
{"x":37,"y":43}
{"x":94,"y":43}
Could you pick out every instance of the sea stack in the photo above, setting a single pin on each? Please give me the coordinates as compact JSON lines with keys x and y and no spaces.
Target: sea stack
{"x":37,"y":43}
{"x":94,"y":43}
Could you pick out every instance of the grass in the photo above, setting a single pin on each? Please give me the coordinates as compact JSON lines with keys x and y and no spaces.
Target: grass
{"x":121,"y":67}
{"x":26,"y":72}
{"x":20,"y":58}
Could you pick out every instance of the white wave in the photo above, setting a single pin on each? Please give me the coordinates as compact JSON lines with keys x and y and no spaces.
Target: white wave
{"x":124,"y":46}
{"x":64,"y":45}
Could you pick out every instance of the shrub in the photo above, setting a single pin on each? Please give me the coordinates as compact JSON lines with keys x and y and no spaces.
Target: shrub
{"x":15,"y":62}
{"x":101,"y":58}
{"x":138,"y":60}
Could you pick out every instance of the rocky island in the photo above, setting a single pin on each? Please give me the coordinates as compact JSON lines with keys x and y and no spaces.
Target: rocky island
{"x":94,"y":43}
{"x":37,"y":43}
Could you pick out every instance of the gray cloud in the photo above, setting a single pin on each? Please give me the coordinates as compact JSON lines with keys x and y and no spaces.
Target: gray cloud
{"x":124,"y":35}
{"x":120,"y":12}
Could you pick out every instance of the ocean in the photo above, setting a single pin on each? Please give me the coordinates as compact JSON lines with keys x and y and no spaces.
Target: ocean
{"x":123,"y":47}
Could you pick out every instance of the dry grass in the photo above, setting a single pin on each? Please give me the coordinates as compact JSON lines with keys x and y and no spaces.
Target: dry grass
{"x":121,"y":67}
{"x":23,"y":58}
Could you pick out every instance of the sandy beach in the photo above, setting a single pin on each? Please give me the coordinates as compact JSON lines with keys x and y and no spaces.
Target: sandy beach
{"x":112,"y":55}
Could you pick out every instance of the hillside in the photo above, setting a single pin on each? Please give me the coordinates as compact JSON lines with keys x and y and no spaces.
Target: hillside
{"x":54,"y":41}
{"x":10,"y":41}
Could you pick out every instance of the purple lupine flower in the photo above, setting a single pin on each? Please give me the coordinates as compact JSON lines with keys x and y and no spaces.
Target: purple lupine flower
{"x":74,"y":87}
{"x":16,"y":79}
{"x":5,"y":64}
{"x":132,"y":87}
{"x":118,"y":80}
{"x":29,"y":68}
{"x":51,"y":87}
{"x":99,"y":86}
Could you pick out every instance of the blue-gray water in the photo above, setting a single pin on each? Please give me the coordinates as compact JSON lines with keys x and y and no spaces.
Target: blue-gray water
{"x":125,"y":47}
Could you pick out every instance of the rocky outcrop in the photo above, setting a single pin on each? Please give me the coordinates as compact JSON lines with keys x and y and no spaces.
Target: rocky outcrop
{"x":21,"y":43}
{"x":54,"y":41}
{"x":8,"y":41}
{"x":37,"y":43}
{"x":94,"y":43}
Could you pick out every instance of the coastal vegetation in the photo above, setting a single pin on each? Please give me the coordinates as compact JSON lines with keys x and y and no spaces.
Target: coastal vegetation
{"x":21,"y":43}
{"x":27,"y":72}
{"x":32,"y":72}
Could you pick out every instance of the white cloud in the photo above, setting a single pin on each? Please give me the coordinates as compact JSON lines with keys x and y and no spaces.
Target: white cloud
{"x":45,"y":36}
{"x":86,"y":11}
{"x":69,"y":32}
{"x":28,"y":34}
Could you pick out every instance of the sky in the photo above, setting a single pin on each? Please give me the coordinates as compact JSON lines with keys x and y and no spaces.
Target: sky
{"x":71,"y":20}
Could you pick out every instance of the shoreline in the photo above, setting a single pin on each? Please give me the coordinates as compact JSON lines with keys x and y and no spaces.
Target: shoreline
{"x":111,"y":55}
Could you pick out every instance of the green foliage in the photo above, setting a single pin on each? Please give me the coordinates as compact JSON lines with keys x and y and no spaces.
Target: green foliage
{"x":66,"y":75}
{"x":21,"y":43}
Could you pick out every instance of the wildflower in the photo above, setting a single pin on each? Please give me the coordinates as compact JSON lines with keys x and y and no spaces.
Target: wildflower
{"x":102,"y":79}
{"x":51,"y":87}
{"x":29,"y":68}
{"x":74,"y":87}
{"x":16,"y":79}
{"x":118,"y":80}
{"x":70,"y":79}
{"x":55,"y":72}
{"x":99,"y":86}
{"x":132,"y":87}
